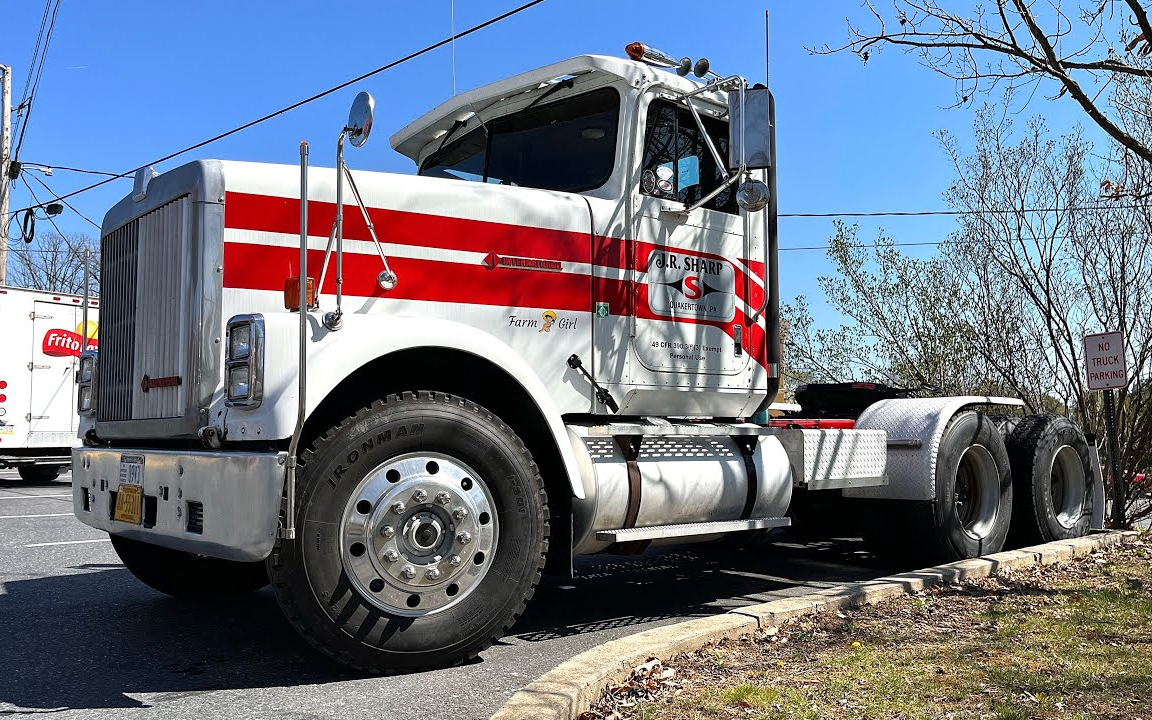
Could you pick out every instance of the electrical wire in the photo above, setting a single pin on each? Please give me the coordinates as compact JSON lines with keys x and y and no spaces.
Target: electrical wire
{"x":411,"y":56}
{"x":33,"y":59}
{"x":956,"y":213}
{"x":78,"y":170}
{"x":31,"y":95}
{"x":938,"y":243}
{"x":68,"y":204}
{"x":50,"y":218}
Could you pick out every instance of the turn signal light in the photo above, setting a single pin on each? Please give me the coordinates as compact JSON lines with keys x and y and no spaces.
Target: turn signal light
{"x":292,"y":293}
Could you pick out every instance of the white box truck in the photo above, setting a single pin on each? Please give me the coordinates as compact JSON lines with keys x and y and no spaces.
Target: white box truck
{"x":42,"y":335}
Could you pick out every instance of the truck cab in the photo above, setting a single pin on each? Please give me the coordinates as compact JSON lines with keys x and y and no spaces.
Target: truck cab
{"x":396,"y":398}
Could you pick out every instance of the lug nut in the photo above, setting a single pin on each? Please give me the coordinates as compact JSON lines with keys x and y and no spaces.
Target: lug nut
{"x":454,"y":560}
{"x":388,"y":531}
{"x":464,"y":538}
{"x":391,"y":556}
{"x":398,"y":507}
{"x":443,"y":498}
{"x":433,"y":574}
{"x":459,"y":513}
{"x":419,"y":496}
{"x":408,"y":572}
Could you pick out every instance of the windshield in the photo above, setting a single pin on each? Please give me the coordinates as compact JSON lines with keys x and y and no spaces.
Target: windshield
{"x":568,"y":145}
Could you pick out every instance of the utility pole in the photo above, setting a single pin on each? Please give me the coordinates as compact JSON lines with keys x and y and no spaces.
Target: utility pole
{"x":5,"y":156}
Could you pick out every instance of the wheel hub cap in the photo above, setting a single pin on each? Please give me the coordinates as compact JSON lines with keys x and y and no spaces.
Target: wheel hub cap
{"x":418,"y":533}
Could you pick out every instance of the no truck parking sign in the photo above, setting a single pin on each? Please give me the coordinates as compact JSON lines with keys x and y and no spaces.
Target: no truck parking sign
{"x":1104,"y":361}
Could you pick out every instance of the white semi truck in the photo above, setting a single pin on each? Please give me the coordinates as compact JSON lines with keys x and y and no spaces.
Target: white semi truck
{"x":400,"y":400}
{"x":42,"y":334}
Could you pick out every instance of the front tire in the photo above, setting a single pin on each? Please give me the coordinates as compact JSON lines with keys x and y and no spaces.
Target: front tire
{"x":38,"y":473}
{"x":422,"y":529}
{"x":186,"y":576}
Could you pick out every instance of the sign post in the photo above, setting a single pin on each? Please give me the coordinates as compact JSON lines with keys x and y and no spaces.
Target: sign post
{"x":1107,"y":370}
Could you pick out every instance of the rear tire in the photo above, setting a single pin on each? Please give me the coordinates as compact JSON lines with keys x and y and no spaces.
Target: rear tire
{"x":378,"y":577}
{"x":38,"y":473}
{"x":1053,"y":480}
{"x":186,"y":576}
{"x":973,"y":506}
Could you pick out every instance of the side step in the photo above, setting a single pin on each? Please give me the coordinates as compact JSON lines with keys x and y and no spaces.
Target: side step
{"x":689,"y":529}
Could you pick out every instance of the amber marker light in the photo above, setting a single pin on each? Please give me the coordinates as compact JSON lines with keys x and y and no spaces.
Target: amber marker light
{"x":292,"y":293}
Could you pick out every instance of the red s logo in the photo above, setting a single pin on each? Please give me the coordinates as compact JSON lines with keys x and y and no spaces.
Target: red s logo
{"x":692,"y":288}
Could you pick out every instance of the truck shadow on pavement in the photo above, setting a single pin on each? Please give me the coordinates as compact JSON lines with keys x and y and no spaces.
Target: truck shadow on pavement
{"x":613,"y":592}
{"x":98,"y":638}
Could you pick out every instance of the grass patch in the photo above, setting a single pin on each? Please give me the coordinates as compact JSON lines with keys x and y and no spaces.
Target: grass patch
{"x":1069,"y":641}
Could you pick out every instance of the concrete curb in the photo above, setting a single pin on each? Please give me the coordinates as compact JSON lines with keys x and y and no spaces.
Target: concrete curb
{"x":572,"y":687}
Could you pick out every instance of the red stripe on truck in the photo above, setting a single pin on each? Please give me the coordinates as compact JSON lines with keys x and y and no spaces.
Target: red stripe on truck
{"x":266,"y":213}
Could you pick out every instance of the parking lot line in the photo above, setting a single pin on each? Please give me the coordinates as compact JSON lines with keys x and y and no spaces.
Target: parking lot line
{"x":68,"y":542}
{"x":17,"y":517}
{"x":32,"y":497}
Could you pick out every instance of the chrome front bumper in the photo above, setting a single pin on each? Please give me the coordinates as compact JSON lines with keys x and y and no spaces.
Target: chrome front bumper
{"x":220,"y":504}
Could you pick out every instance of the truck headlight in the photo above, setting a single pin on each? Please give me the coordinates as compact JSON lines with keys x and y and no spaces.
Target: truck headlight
{"x":239,"y":341}
{"x":239,"y":382}
{"x":87,"y":369}
{"x":244,"y":361}
{"x":85,"y":382}
{"x":84,"y":399}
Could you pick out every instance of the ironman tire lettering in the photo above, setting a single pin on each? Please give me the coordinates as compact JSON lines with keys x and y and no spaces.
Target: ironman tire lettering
{"x":422,"y":528}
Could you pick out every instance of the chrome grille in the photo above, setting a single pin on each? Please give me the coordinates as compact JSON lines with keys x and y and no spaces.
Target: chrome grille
{"x":145,"y":270}
{"x":118,"y":259}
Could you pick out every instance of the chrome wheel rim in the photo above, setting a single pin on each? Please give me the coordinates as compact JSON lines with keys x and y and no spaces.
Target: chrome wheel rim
{"x":1067,"y":486}
{"x":417,"y":534}
{"x":976,"y":493}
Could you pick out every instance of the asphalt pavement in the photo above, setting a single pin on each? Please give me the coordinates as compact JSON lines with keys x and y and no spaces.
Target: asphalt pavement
{"x":81,"y":638}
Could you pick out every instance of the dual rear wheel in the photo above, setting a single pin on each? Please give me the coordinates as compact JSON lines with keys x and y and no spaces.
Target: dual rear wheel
{"x":997,"y":484}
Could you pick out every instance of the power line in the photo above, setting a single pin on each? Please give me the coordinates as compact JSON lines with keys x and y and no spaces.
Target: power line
{"x":317,"y":96}
{"x":50,"y":218}
{"x":31,"y":94}
{"x":35,"y":55}
{"x":951,"y":241}
{"x":928,"y":213}
{"x":79,"y":170}
{"x":70,"y":205}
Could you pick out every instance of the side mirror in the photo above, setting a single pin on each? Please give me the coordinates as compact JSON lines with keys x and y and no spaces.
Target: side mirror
{"x":359,"y":125}
{"x":750,"y":127}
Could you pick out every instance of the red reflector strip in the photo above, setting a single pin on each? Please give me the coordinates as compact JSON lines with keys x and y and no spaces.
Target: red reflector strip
{"x":794,"y":424}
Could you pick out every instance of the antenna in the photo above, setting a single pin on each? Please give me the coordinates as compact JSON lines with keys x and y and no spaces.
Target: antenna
{"x":452,"y":29}
{"x":767,"y":54}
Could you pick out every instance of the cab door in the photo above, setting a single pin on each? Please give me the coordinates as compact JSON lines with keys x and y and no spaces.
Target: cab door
{"x":692,"y":277}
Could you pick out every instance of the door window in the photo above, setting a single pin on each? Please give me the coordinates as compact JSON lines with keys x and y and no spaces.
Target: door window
{"x":677,"y":162}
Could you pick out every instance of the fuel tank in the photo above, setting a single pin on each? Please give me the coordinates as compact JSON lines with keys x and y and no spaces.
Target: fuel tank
{"x":668,"y":480}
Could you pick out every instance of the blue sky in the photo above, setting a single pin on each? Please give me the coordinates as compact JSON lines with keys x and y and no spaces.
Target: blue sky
{"x":130,"y":81}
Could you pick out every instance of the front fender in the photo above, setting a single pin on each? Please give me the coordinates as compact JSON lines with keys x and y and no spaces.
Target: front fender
{"x":334,"y":355}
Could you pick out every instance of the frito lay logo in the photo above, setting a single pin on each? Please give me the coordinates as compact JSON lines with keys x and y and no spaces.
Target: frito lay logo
{"x":65,"y":343}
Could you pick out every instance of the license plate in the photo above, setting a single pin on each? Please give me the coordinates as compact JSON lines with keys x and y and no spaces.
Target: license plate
{"x":132,"y":470}
{"x":129,"y":500}
{"x":130,"y":494}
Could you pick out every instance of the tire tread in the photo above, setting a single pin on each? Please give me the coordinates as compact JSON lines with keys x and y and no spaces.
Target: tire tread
{"x":275,"y":567}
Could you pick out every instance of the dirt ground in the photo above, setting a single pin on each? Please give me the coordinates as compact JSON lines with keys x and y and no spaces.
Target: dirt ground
{"x":1058,"y":641}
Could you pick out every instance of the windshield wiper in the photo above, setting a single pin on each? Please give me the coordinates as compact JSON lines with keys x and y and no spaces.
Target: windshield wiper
{"x":563,"y":84}
{"x":451,"y":131}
